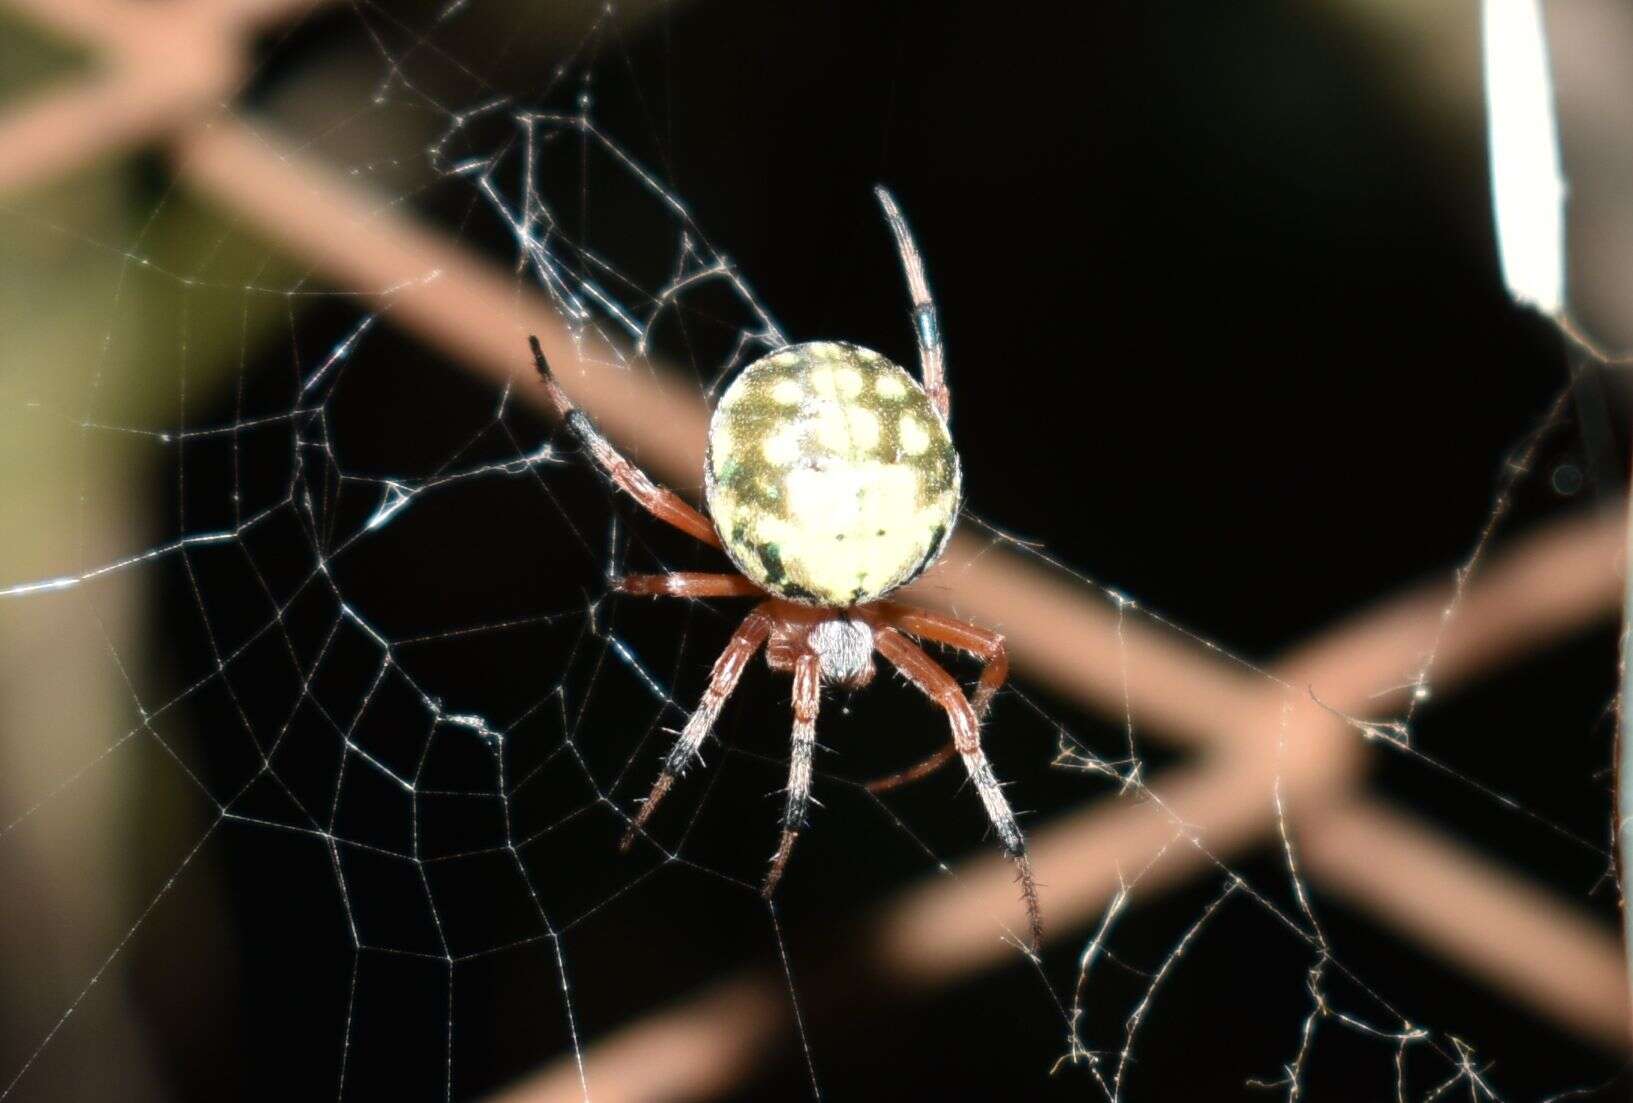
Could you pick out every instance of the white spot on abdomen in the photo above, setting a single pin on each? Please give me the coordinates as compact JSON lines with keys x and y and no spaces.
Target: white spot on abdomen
{"x":849,"y":431}
{"x":889,"y":387}
{"x":782,"y":447}
{"x":910,"y":431}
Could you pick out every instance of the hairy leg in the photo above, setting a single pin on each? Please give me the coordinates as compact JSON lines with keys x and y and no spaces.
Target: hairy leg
{"x":688,"y":584}
{"x":807,"y":696}
{"x":925,"y":326}
{"x":936,"y":684}
{"x":981,"y":642}
{"x":659,"y":501}
{"x":722,"y":680}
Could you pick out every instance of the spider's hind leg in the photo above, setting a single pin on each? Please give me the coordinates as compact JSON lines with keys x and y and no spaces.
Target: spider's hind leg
{"x":981,"y":642}
{"x":807,"y":697}
{"x":936,"y":684}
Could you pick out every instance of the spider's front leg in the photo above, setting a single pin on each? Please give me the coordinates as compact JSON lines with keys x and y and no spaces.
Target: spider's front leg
{"x":807,"y":697}
{"x":659,"y":501}
{"x":936,"y":684}
{"x":748,"y":638}
{"x":925,"y":327}
{"x":688,"y":584}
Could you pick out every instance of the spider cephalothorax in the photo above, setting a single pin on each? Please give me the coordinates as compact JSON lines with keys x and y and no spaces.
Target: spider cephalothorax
{"x":831,"y":481}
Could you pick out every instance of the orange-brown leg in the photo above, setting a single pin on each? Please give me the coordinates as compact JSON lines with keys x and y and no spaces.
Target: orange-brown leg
{"x":981,"y":642}
{"x":916,"y":772}
{"x":688,"y":584}
{"x":722,"y":680}
{"x":659,"y":501}
{"x":807,"y":696}
{"x":936,"y":684}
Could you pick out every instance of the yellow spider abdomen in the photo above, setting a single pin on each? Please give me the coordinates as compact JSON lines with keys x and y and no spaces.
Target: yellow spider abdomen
{"x":831,"y":479}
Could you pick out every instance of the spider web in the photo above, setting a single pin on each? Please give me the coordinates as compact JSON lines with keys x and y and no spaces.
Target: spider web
{"x":387,"y":722}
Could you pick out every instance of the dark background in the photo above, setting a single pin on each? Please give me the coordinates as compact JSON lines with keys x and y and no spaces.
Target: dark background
{"x":1225,"y":332}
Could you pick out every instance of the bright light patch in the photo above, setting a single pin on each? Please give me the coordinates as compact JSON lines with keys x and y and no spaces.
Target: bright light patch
{"x":1527,"y":183}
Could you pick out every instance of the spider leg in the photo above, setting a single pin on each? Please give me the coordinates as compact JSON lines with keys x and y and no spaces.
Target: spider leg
{"x":807,"y":696}
{"x":980,"y":642}
{"x":936,"y":684}
{"x":660,"y":501}
{"x":722,"y":680}
{"x":688,"y":584}
{"x":913,"y":773}
{"x":925,"y":326}
{"x":983,"y":643}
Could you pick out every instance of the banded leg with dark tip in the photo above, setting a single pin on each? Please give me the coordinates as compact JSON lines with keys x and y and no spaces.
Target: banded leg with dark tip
{"x":807,"y":698}
{"x":748,"y":638}
{"x":659,"y":501}
{"x":925,"y":326}
{"x":936,"y":684}
{"x":981,"y":642}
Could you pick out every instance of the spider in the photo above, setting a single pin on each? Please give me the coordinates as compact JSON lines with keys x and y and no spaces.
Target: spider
{"x":831,"y":481}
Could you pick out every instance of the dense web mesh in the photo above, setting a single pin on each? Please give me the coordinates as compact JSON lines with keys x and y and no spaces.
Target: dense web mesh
{"x":388,"y":700}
